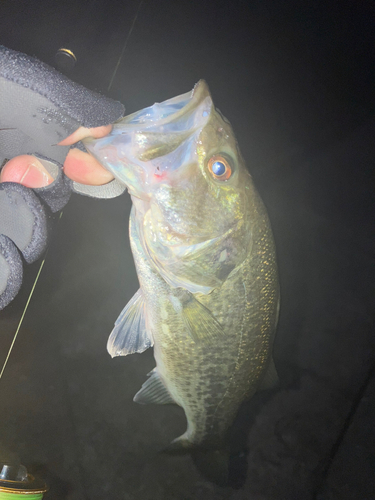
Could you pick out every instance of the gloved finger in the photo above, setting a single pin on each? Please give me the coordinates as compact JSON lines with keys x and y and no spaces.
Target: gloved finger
{"x":85,"y":169}
{"x":26,"y":170}
{"x":43,"y":175}
{"x":39,"y":107}
{"x":23,"y":228}
{"x":83,"y":132}
{"x":23,"y":220}
{"x":11,"y":271}
{"x":79,"y":166}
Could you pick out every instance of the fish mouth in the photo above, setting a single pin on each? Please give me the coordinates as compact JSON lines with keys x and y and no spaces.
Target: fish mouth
{"x":146,"y":146}
{"x":171,"y":110}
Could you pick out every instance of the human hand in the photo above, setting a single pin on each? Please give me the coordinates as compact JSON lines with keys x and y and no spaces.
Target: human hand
{"x":38,"y":107}
{"x":78,"y":166}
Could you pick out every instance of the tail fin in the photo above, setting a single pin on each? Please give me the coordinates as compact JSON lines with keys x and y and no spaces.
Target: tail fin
{"x":213,"y":464}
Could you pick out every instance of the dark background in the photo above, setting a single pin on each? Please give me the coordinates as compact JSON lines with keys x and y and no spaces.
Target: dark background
{"x":296,"y":80}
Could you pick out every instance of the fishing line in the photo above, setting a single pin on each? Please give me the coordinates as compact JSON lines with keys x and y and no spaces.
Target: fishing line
{"x":42,"y":264}
{"x":125,"y":44}
{"x":46,"y":253}
{"x":25,"y":309}
{"x":22,"y":317}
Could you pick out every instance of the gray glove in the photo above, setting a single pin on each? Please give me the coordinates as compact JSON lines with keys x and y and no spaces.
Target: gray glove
{"x":38,"y":108}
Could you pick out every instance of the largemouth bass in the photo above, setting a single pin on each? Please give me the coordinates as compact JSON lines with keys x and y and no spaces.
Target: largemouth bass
{"x":205,"y":258}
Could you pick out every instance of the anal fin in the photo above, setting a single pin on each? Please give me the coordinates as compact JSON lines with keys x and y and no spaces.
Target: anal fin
{"x":153,"y":391}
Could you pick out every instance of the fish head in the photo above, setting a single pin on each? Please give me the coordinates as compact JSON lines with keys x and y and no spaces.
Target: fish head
{"x":182,"y":166}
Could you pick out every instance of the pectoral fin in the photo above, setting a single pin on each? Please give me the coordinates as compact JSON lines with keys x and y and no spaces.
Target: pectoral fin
{"x":200,"y":322}
{"x":130,"y":334}
{"x":153,"y":391}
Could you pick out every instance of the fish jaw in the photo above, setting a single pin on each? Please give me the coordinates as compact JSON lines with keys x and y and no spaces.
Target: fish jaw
{"x":145,"y":148}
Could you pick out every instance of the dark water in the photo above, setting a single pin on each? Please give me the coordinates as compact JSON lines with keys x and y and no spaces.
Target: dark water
{"x":296,"y":81}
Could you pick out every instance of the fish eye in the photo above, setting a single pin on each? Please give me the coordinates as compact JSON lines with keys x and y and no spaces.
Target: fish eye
{"x":219,"y":167}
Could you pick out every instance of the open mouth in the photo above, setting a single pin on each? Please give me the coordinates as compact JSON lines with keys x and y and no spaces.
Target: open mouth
{"x":158,"y":139}
{"x":171,"y":110}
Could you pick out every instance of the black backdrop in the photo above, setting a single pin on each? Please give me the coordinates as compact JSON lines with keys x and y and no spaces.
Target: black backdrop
{"x":296,"y":81}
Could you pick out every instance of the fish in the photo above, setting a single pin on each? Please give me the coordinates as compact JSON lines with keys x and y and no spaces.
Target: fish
{"x":205,"y":257}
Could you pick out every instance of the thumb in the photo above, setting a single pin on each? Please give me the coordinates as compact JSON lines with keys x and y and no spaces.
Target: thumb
{"x":26,"y":170}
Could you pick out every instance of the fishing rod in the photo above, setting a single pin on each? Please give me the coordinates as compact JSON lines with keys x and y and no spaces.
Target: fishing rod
{"x":15,"y":481}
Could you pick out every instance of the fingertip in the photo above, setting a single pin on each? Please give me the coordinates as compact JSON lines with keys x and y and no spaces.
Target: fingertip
{"x":83,"y":132}
{"x":26,"y":170}
{"x":83,"y":168}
